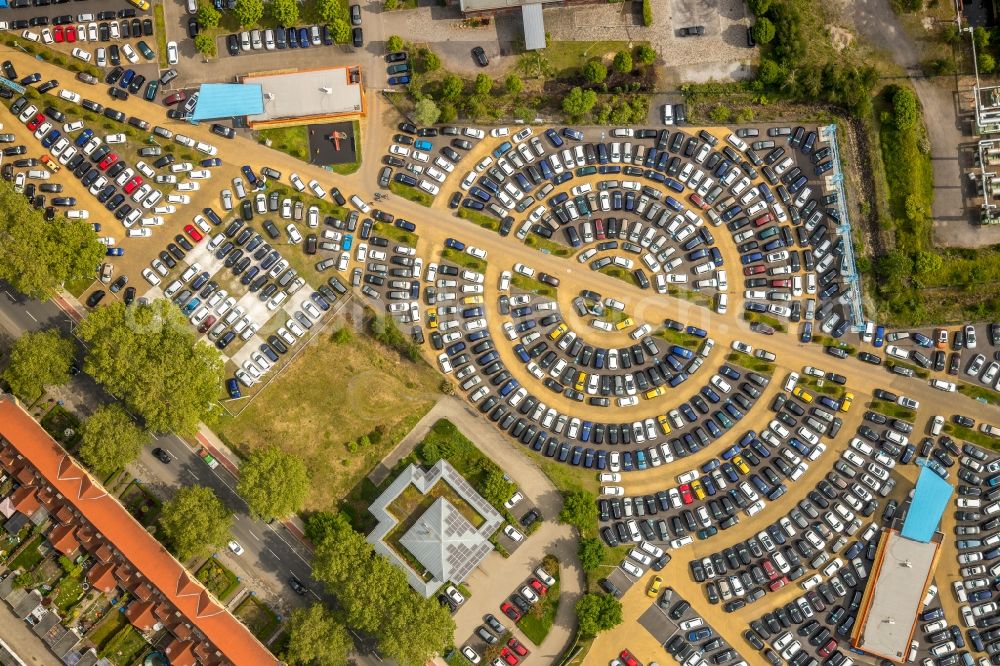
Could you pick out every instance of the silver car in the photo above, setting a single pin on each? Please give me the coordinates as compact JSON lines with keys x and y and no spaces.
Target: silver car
{"x":244,"y":41}
{"x":269,"y":39}
{"x":255,"y":40}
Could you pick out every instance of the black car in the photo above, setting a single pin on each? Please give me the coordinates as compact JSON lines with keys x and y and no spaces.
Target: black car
{"x":398,"y":56}
{"x":233,"y":44}
{"x":223,"y":131}
{"x":95,"y":298}
{"x":479,"y":55}
{"x":193,"y":27}
{"x":162,"y":455}
{"x":297,"y":585}
{"x":357,"y":38}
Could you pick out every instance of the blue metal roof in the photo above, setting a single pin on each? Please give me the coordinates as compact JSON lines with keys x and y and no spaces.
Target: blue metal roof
{"x":225,"y":100}
{"x":930,"y":499}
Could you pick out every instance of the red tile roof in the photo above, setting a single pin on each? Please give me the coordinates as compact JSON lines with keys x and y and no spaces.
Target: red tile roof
{"x":102,"y":577}
{"x":229,"y":637}
{"x":25,"y":500}
{"x":181,"y":653}
{"x":140,"y":614}
{"x":62,"y":539}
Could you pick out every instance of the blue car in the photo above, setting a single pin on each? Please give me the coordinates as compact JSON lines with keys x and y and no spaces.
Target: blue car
{"x":807,"y":332}
{"x":399,"y":80}
{"x":84,"y":137}
{"x":553,"y":138}
{"x":423,"y":144}
{"x":347,"y":242}
{"x":114,"y":252}
{"x":211,"y":162}
{"x":51,"y":138}
{"x":303,"y":38}
{"x":126,"y":78}
{"x":249,"y":174}
{"x":233,"y":387}
{"x":879,"y":336}
{"x":454,"y":244}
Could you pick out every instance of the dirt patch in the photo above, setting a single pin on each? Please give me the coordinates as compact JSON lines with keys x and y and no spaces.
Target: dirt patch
{"x":840,"y":38}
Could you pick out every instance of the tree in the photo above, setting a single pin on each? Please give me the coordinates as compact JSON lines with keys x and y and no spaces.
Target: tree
{"x":623,"y":62}
{"x":591,"y":553}
{"x":340,"y":30}
{"x":394,"y":43}
{"x":981,"y":39}
{"x":448,"y":115}
{"x":484,"y":84}
{"x":149,"y":356}
{"x":205,"y":44}
{"x":451,"y":87}
{"x":597,"y":613}
{"x":331,"y":10}
{"x":275,"y":484}
{"x":579,"y":510}
{"x":987,"y":64}
{"x":249,"y":12}
{"x":389,"y":5}
{"x":322,"y":525}
{"x":339,"y":552}
{"x":37,"y":256}
{"x":426,"y":112}
{"x":759,"y":7}
{"x":645,"y":55}
{"x":316,"y":638}
{"x":513,"y":84}
{"x":768,"y":72}
{"x":431,"y":60}
{"x":110,"y":439}
{"x":595,"y":72}
{"x":578,"y":102}
{"x":38,"y":359}
{"x":762,"y":31}
{"x":194,"y":522}
{"x":208,"y":15}
{"x":894,"y":266}
{"x":928,"y":263}
{"x":495,"y":488}
{"x":285,"y":12}
{"x":905,"y":110}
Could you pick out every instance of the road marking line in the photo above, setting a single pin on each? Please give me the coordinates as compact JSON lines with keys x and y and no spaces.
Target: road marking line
{"x":274,"y":553}
{"x":256,"y":537}
{"x":30,"y":315}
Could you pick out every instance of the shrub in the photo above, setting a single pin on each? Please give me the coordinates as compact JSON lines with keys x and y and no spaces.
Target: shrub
{"x":595,"y":72}
{"x":645,"y":55}
{"x":623,"y":62}
{"x":394,"y":43}
{"x":647,"y":13}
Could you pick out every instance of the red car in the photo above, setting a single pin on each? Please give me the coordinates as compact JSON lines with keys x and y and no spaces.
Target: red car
{"x":686,"y":496}
{"x":537,"y":586}
{"x":36,"y":121}
{"x":778,"y":584}
{"x":133,"y":184}
{"x":516,"y":646}
{"x":70,"y":34}
{"x":753,"y":270}
{"x":509,"y":610}
{"x":628,"y":659}
{"x":828,"y":648}
{"x":207,"y":324}
{"x":509,"y":657}
{"x":193,"y":233}
{"x":108,"y":160}
{"x":57,"y":33}
{"x":175,"y":98}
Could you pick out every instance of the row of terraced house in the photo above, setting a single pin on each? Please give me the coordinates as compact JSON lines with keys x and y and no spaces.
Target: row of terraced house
{"x":120,"y":558}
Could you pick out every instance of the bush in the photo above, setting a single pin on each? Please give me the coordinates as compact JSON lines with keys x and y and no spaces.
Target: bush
{"x":513,"y":84}
{"x":623,"y":62}
{"x":763,"y":31}
{"x":905,"y":109}
{"x":645,"y":55}
{"x":647,"y":13}
{"x":394,"y":43}
{"x":595,"y":72}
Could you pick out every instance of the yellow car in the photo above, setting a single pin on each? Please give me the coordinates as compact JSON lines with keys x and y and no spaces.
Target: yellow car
{"x":432,"y":319}
{"x":50,"y":164}
{"x":473,"y":300}
{"x":558,"y":330}
{"x":624,"y":323}
{"x":655,"y":392}
{"x":654,"y":587}
{"x":581,"y":380}
{"x":741,"y":464}
{"x":845,"y":404}
{"x":698,"y":489}
{"x":802,"y":394}
{"x":664,"y":423}
{"x":141,"y":4}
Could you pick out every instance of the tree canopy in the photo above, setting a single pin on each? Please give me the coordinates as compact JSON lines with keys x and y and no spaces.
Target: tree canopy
{"x":148,"y":356}
{"x":249,"y":12}
{"x":578,"y":102}
{"x":316,"y":638}
{"x":394,"y":43}
{"x":37,"y":256}
{"x":905,"y":108}
{"x":204,"y":43}
{"x":208,"y":15}
{"x":591,"y":553}
{"x":331,"y":10}
{"x":484,"y":84}
{"x":38,"y":359}
{"x":285,"y":12}
{"x":426,"y":112}
{"x":763,"y":31}
{"x":110,"y":439}
{"x":275,"y":484}
{"x":597,"y":613}
{"x":377,"y":599}
{"x":194,"y":522}
{"x":579,"y":510}
{"x":645,"y":55}
{"x":595,"y":72}
{"x":623,"y":61}
{"x":513,"y":84}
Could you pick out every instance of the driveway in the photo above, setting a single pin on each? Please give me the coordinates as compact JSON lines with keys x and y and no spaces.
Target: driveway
{"x":497,"y":577}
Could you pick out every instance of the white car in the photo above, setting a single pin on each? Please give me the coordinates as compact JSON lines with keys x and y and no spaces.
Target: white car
{"x":297,"y":182}
{"x":498,"y":132}
{"x":514,"y":499}
{"x":742,"y":347}
{"x":172,"y":55}
{"x":513,"y":534}
{"x":129,"y":52}
{"x":235,"y":547}
{"x":82,"y":55}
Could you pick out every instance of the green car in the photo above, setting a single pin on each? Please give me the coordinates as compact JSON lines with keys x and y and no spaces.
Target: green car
{"x":145,"y":50}
{"x":151,"y":88}
{"x":398,"y":68}
{"x":586,"y":171}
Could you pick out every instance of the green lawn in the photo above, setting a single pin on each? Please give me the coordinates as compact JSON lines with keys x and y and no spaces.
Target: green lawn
{"x":411,"y":193}
{"x":536,"y":626}
{"x":219,"y":580}
{"x":70,"y":592}
{"x":567,"y":57}
{"x":28,"y":558}
{"x":124,"y":647}
{"x":893,"y":410}
{"x":980,"y":393}
{"x":259,"y":619}
{"x":291,"y":140}
{"x":161,"y":35}
{"x":681,"y":338}
{"x":776,"y":324}
{"x":393,"y":232}
{"x":481,"y":219}
{"x":546,"y":246}
{"x":534,"y":286}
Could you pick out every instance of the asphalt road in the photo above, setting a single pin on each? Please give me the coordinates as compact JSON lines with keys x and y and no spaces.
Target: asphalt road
{"x":271,"y":553}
